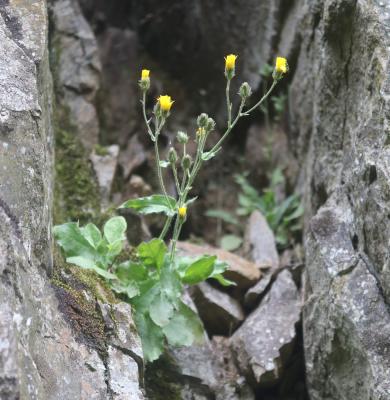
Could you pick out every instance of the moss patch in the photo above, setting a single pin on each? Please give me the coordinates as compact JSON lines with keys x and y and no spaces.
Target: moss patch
{"x":76,"y":190}
{"x":78,"y":291}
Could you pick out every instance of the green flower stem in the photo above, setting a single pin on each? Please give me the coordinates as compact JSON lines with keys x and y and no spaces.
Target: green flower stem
{"x":247,"y":112}
{"x":174,"y":170}
{"x":166,"y":228}
{"x":145,"y":117}
{"x":229,"y":129}
{"x":228,"y":103}
{"x":241,"y":114}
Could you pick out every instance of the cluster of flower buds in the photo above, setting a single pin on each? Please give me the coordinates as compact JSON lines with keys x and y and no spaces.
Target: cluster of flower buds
{"x":205,"y":123}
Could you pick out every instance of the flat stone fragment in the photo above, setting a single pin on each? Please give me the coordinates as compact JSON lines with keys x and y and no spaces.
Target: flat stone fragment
{"x":123,"y":376}
{"x":220,"y":313}
{"x":255,"y":293}
{"x":259,"y":242}
{"x":105,"y":167}
{"x":264,"y":342}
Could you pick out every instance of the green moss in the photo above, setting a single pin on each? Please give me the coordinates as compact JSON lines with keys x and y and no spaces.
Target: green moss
{"x":76,"y":190}
{"x":101,"y":150}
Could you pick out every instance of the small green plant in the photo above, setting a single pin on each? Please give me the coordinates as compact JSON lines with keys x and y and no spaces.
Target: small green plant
{"x":283,"y":216}
{"x":152,"y":280}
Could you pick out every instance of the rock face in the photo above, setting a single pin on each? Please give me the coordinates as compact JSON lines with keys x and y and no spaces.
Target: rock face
{"x":340,"y":110}
{"x":260,"y":242}
{"x":78,"y":66}
{"x":42,"y":354}
{"x":264,"y":342}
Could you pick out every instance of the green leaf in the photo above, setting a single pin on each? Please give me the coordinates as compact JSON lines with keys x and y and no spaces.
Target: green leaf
{"x":219,"y":268}
{"x":161,"y":310}
{"x":87,"y":263}
{"x":92,"y":233}
{"x":114,"y":249}
{"x":208,"y":155}
{"x":223,"y":281}
{"x":152,"y":253}
{"x":184,"y":328}
{"x":70,"y":238}
{"x":231,"y":242}
{"x":171,"y":284}
{"x":223,"y":215}
{"x":152,"y":204}
{"x":200,"y":270}
{"x":130,"y":289}
{"x":114,"y":229}
{"x":164,"y":164}
{"x":129,"y":271}
{"x":152,"y":336}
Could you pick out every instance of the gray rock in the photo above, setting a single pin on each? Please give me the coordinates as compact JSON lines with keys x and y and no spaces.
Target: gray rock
{"x":123,"y":376}
{"x":255,"y":293}
{"x":339,"y":109}
{"x":259,"y":242}
{"x":220,"y":313}
{"x":120,"y":74}
{"x":264,"y":342}
{"x":132,"y":157}
{"x":78,"y":68}
{"x":105,"y":166}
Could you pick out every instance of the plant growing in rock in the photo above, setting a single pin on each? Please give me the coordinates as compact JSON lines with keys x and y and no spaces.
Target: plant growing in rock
{"x":153,"y":279}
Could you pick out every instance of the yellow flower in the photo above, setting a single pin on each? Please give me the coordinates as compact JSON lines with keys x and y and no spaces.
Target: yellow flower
{"x":145,"y":74}
{"x":182,"y":212}
{"x":165,"y":103}
{"x":230,"y":62}
{"x":281,"y":66}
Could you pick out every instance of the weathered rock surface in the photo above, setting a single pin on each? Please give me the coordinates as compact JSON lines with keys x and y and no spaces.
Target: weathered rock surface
{"x":264,"y":342}
{"x":105,"y":166}
{"x":259,"y":242}
{"x":255,"y":293}
{"x":220,"y":313}
{"x":79,"y":68}
{"x":339,"y":108}
{"x":44,"y":353}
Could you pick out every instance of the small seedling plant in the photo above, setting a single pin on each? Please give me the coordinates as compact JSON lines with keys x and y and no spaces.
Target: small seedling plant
{"x":153,"y":279}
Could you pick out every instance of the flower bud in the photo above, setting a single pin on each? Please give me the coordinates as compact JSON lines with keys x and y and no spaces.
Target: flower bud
{"x":182,"y":137}
{"x":245,"y":91}
{"x":230,"y":66}
{"x":172,"y":155}
{"x":202,"y":120}
{"x":281,"y":68}
{"x":186,"y":162}
{"x":144,"y":82}
{"x":210,"y":126}
{"x":200,"y":132}
{"x":182,"y":212}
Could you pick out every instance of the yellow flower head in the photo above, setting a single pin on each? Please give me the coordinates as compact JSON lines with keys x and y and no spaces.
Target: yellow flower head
{"x":281,"y":65}
{"x":182,"y":212}
{"x":145,"y":74}
{"x":165,"y":103}
{"x":230,"y":62}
